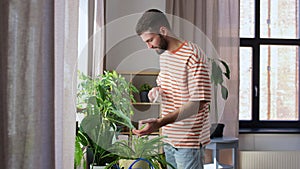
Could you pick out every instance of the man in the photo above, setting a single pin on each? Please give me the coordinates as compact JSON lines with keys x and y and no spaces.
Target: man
{"x":185,"y":89}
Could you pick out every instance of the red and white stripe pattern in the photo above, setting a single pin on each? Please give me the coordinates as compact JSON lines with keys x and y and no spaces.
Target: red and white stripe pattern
{"x":184,"y":76}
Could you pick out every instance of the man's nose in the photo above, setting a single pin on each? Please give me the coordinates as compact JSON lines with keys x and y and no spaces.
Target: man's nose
{"x":149,"y":45}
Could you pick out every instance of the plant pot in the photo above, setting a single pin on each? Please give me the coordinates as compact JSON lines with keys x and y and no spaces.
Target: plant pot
{"x":216,"y":130}
{"x":97,"y":167}
{"x":126,"y":163}
{"x":144,"y":96}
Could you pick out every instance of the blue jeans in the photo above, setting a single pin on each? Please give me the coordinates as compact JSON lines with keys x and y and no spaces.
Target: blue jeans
{"x":184,"y":158}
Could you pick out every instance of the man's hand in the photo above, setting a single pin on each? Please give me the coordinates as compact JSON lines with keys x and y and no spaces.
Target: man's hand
{"x":151,"y":125}
{"x":154,"y":93}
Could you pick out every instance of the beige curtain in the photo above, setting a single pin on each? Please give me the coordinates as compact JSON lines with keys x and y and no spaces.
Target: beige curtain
{"x":66,"y":53}
{"x":38,"y":47}
{"x":218,"y":20}
{"x":96,"y":35}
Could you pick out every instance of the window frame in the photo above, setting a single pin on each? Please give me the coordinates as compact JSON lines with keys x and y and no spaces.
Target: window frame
{"x":255,"y":125}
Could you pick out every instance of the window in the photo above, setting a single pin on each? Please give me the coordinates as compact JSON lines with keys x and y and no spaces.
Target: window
{"x":269,"y":64}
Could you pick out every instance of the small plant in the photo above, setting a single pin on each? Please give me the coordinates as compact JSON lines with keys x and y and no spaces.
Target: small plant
{"x":140,"y":148}
{"x":219,"y":73}
{"x":145,"y":87}
{"x":218,"y":77}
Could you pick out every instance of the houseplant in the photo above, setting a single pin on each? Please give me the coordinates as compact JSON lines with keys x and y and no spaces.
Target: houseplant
{"x":144,"y":90}
{"x":139,"y":152}
{"x":218,"y":77}
{"x":106,"y":103}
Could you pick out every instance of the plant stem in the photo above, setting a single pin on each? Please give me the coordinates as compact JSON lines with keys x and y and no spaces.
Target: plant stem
{"x":216,"y":102}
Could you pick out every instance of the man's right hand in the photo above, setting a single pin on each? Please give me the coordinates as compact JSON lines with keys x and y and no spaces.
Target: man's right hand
{"x":151,"y":125}
{"x":154,"y":93}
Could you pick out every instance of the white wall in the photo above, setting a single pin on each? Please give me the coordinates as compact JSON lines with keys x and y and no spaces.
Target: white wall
{"x":125,"y":51}
{"x":269,"y":142}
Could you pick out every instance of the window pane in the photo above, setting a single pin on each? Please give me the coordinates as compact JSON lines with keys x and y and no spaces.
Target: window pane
{"x":245,"y":98}
{"x":279,"y":82}
{"x":246,"y":19}
{"x":279,"y":18}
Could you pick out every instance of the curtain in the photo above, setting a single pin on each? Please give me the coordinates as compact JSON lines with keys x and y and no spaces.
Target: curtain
{"x":96,"y":35}
{"x":66,"y":18}
{"x":38,"y":46}
{"x":213,"y":22}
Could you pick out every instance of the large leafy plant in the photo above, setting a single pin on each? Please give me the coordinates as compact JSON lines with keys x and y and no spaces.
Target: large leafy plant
{"x":108,"y":95}
{"x":106,"y":102}
{"x":219,"y":73}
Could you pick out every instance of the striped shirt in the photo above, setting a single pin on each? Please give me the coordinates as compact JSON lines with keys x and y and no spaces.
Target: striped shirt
{"x":183,"y":77}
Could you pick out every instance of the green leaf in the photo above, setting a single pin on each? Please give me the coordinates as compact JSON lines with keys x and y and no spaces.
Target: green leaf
{"x":101,"y":92}
{"x":92,"y":100}
{"x":216,"y":74}
{"x":224,"y":92}
{"x":90,"y":122}
{"x":126,"y":120}
{"x":122,"y":148}
{"x":82,"y":139}
{"x":227,"y":72}
{"x":145,"y":87}
{"x":78,"y":156}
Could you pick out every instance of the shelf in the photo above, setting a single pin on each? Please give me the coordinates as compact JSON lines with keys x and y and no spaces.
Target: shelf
{"x":139,"y":73}
{"x":128,"y":133}
{"x":145,"y":104}
{"x":142,"y":110}
{"x":221,"y":166}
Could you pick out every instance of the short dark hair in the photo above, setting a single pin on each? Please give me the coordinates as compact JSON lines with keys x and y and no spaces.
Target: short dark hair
{"x":151,"y":21}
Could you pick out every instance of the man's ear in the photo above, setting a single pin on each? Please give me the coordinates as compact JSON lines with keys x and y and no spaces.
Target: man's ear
{"x":163,"y":31}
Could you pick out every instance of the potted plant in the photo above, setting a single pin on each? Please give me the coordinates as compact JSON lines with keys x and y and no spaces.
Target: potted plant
{"x":218,"y":77}
{"x":144,"y":90}
{"x":94,"y":141}
{"x":106,"y":103}
{"x":139,"y":152}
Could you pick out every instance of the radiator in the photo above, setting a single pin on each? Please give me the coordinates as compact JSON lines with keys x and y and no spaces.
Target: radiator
{"x":269,"y":159}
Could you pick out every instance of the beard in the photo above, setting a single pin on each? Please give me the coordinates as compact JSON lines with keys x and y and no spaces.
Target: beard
{"x":163,"y":45}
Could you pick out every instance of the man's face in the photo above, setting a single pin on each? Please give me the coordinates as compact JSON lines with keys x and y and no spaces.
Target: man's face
{"x":155,"y":41}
